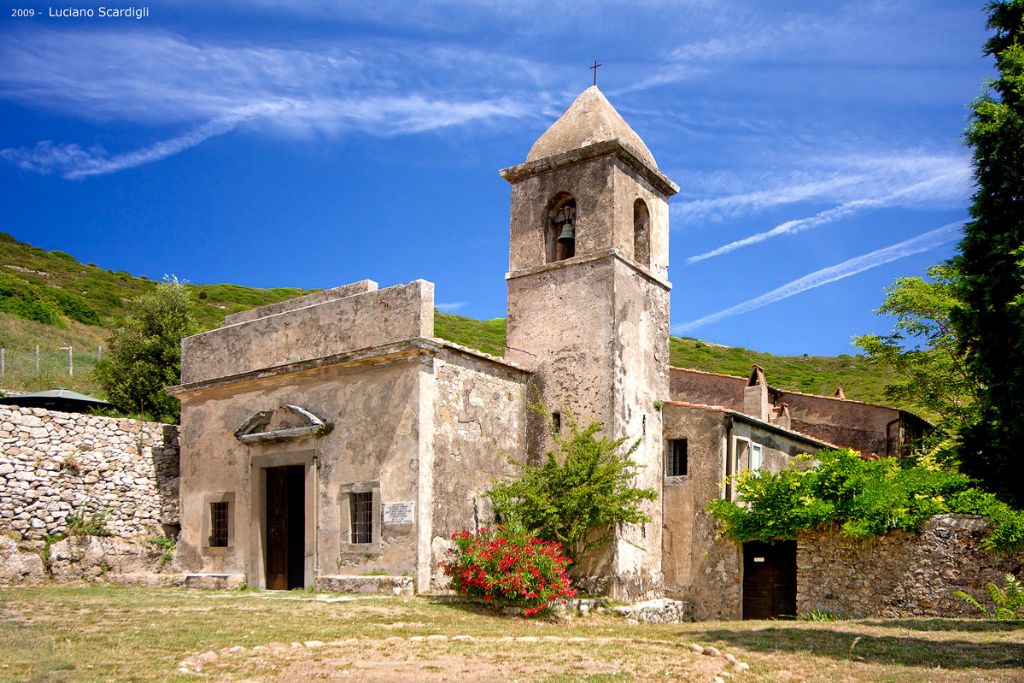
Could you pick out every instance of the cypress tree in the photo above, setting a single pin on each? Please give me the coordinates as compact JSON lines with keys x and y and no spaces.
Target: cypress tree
{"x":990,"y":320}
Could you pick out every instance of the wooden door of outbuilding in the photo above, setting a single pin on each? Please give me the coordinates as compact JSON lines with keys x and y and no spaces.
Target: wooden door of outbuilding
{"x":769,"y":580}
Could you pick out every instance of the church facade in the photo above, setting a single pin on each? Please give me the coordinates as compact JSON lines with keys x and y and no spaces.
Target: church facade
{"x":333,"y":436}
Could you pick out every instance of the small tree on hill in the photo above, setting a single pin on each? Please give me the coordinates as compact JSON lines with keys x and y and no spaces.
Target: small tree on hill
{"x":924,"y":351}
{"x":585,"y":487}
{"x":144,"y":353}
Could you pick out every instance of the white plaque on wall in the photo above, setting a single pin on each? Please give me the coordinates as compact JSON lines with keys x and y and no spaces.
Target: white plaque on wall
{"x":398,"y":513}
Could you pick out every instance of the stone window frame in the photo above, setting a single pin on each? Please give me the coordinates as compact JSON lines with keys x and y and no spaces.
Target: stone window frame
{"x":670,"y":461}
{"x":207,"y":530}
{"x":347,"y":499}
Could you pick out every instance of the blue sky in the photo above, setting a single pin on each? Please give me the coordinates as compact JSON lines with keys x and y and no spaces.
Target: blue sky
{"x":313,"y":143}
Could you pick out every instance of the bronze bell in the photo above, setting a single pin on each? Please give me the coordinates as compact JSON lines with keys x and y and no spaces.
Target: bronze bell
{"x":568,"y":234}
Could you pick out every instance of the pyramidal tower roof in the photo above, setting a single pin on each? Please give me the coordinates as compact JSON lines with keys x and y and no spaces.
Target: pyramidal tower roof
{"x":588,"y":120}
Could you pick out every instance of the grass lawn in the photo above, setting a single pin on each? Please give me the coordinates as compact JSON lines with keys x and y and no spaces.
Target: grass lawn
{"x":104,"y":633}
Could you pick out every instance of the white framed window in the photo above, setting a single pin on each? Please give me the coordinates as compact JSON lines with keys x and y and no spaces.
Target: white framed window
{"x":756,"y":456}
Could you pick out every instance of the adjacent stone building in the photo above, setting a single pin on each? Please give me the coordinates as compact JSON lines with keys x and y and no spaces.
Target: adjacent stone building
{"x":332,"y":436}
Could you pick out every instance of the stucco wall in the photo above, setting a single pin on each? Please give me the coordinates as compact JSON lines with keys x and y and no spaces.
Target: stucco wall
{"x":333,"y":327}
{"x":479,"y":423}
{"x":374,"y":409}
{"x":846,"y":423}
{"x":639,"y":380}
{"x":700,"y":567}
{"x":54,"y":464}
{"x":708,"y":388}
{"x":853,"y":424}
{"x":293,"y":304}
{"x":900,"y":574}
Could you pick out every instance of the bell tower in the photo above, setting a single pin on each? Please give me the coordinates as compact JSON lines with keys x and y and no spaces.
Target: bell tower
{"x":588,"y":301}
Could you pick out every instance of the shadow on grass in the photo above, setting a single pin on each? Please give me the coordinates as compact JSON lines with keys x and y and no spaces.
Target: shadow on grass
{"x":971,"y":625}
{"x":864,"y":647}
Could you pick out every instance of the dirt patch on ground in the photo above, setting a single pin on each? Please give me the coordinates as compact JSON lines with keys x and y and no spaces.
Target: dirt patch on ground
{"x":399,"y":659}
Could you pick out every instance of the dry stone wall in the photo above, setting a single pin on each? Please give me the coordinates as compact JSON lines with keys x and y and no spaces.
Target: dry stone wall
{"x":54,"y":465}
{"x":900,"y":574}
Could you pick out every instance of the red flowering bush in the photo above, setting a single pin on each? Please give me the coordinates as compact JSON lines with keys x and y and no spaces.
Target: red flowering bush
{"x":508,"y":565}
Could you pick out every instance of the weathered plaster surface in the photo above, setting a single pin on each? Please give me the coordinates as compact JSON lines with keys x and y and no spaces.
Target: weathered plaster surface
{"x":374,"y":410}
{"x":853,"y":424}
{"x":333,"y":327}
{"x":323,"y":296}
{"x":594,"y":327}
{"x":701,"y":567}
{"x":479,"y":422}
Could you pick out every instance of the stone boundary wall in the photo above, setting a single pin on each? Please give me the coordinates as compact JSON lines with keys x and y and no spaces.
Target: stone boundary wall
{"x":900,"y":574}
{"x":54,"y":464}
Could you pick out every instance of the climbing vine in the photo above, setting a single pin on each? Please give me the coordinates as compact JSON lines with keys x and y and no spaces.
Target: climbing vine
{"x":863,"y":497}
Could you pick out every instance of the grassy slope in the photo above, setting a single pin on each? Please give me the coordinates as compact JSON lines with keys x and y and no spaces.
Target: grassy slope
{"x":859,"y":379}
{"x":105,"y":294}
{"x":46,"y":277}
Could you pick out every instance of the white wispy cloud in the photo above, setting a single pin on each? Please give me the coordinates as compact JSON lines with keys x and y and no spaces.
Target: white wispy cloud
{"x":452,"y":306}
{"x":213,"y":89}
{"x":74,"y":163}
{"x":839,"y":178}
{"x":915,"y":245}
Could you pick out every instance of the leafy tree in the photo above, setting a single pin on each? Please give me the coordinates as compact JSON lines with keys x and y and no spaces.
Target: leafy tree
{"x":145,"y":352}
{"x":576,"y":495}
{"x":924,"y":350}
{"x":990,"y":319}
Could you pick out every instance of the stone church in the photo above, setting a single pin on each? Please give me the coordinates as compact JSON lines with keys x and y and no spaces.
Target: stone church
{"x":333,"y":436}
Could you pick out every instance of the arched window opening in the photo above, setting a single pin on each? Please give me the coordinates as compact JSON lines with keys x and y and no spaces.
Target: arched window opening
{"x":560,"y":232}
{"x":641,"y":233}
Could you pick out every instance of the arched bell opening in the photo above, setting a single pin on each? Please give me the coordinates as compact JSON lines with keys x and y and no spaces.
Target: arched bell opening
{"x":641,"y":233}
{"x":560,"y":228}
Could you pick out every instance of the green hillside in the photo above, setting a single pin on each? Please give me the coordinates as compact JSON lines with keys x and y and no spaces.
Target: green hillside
{"x":859,"y":379}
{"x":51,"y":300}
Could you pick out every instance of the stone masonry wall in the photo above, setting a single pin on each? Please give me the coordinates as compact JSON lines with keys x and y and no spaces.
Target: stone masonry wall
{"x":900,"y":574}
{"x":53,"y":465}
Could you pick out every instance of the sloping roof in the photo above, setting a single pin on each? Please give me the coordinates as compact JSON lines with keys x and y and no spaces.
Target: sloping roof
{"x":38,"y":397}
{"x":743,"y":417}
{"x":589,"y":119}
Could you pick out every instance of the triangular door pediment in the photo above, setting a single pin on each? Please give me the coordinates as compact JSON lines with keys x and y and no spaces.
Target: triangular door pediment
{"x":284,"y":423}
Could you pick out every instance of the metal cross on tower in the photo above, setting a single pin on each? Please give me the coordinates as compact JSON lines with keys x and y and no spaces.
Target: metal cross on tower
{"x":594,"y":67}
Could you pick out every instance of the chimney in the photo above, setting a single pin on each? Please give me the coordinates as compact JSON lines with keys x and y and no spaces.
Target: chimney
{"x":755,"y":395}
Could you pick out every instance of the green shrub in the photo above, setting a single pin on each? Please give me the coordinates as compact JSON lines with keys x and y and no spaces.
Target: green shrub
{"x":510,"y":566}
{"x":94,"y":525}
{"x":863,"y":497}
{"x":165,"y":544}
{"x":46,"y":555}
{"x":1008,"y":601}
{"x":75,"y":308}
{"x":27,"y":301}
{"x":584,"y":488}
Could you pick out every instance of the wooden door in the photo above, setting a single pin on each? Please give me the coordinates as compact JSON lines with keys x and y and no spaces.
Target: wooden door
{"x":277,"y":528}
{"x":769,"y":580}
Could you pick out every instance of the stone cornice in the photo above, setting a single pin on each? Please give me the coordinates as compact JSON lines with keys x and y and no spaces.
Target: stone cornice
{"x":601,"y":254}
{"x":616,"y":147}
{"x":387,"y":353}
